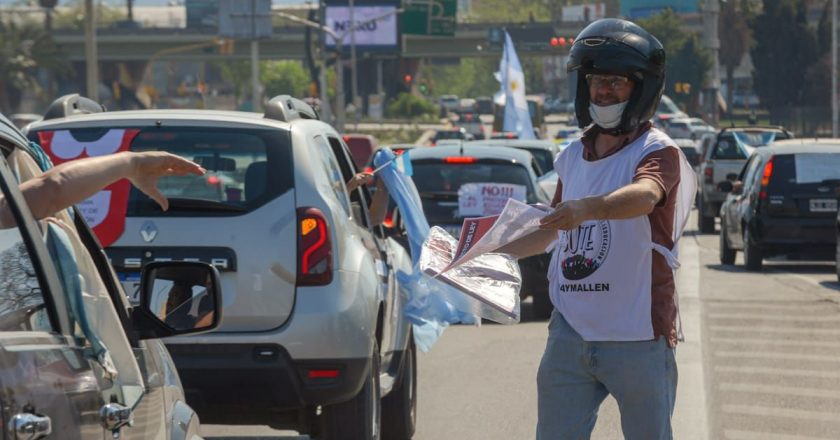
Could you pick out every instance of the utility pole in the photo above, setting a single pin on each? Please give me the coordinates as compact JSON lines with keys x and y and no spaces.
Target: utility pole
{"x":256,"y":96}
{"x":354,"y":87}
{"x":91,"y":56}
{"x":711,"y":10}
{"x":834,"y":110}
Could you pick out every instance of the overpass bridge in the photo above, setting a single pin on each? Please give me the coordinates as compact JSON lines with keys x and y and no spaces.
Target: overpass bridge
{"x":288,"y":42}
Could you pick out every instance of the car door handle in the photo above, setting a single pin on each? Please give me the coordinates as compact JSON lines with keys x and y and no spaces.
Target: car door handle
{"x":27,"y":426}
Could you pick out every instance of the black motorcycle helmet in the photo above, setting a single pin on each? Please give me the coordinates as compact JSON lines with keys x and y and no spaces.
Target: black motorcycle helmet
{"x":619,"y":47}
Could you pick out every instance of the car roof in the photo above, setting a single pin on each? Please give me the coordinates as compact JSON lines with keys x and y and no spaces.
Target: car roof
{"x":685,"y":142}
{"x":516,"y":143}
{"x":143,"y":117}
{"x":755,"y":128}
{"x":479,"y":152}
{"x":798,"y":146}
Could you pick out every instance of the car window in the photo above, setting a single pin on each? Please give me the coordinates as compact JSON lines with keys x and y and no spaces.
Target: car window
{"x":358,"y":199}
{"x":544,"y":159}
{"x":804,"y":170}
{"x":438,"y":184}
{"x":748,"y":174}
{"x":22,"y":305}
{"x":449,"y":134}
{"x":728,"y":149}
{"x":331,"y":168}
{"x":237,"y":163}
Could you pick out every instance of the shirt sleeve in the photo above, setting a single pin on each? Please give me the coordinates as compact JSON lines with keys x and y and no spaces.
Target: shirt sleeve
{"x":662,"y":167}
{"x":558,"y":194}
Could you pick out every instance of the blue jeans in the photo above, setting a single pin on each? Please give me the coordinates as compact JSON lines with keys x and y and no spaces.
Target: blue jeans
{"x":575,"y":376}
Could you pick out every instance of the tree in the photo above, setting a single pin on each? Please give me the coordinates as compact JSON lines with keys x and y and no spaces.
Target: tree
{"x":735,"y":37}
{"x":24,"y":49}
{"x":686,"y":59}
{"x":818,"y":78}
{"x":73,"y":17}
{"x":785,"y":48}
{"x":283,"y":78}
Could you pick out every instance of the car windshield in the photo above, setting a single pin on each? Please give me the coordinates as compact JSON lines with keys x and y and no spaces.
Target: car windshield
{"x":439,"y":182}
{"x":757,"y":139}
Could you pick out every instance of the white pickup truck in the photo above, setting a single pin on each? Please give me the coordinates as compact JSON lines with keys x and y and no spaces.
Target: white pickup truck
{"x":723,"y":158}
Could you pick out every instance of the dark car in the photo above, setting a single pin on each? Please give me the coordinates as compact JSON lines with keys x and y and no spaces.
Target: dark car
{"x":484,"y":105}
{"x":440,"y":172}
{"x":784,"y":202}
{"x":451,"y":134}
{"x":544,"y":152}
{"x":725,"y":155}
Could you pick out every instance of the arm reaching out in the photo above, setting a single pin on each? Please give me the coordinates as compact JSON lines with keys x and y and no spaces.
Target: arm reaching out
{"x":633,"y":200}
{"x":72,"y":182}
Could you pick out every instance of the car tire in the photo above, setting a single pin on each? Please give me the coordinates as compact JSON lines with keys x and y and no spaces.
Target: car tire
{"x":359,"y":418}
{"x":727,"y":254}
{"x":752,"y":254}
{"x":706,"y":225}
{"x":399,"y":407}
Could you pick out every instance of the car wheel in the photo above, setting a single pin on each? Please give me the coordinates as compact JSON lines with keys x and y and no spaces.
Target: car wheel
{"x":752,"y":254}
{"x":399,"y":408}
{"x":706,"y":225}
{"x":727,"y":254}
{"x":360,"y":418}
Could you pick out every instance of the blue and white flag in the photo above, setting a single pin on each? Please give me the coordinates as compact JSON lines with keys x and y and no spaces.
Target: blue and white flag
{"x":517,"y":116}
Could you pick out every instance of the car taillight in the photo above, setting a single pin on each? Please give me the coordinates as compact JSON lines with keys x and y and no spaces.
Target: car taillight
{"x":459,"y":159}
{"x":708,"y":172}
{"x":314,"y":248}
{"x":389,"y":220}
{"x":765,"y":178}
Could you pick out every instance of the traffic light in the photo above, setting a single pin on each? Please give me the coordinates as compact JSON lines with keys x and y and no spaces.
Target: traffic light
{"x":682,"y":88}
{"x":560,"y":42}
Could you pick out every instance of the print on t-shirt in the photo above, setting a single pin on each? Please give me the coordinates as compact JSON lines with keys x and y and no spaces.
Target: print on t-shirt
{"x":586,"y":249}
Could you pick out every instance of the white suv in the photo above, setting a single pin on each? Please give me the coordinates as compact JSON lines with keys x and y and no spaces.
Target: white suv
{"x":313,"y":334}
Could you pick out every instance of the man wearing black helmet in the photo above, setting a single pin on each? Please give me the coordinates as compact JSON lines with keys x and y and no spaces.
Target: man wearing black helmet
{"x":622,"y":199}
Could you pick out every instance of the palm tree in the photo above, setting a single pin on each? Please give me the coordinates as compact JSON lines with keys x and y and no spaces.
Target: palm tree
{"x":25,"y":48}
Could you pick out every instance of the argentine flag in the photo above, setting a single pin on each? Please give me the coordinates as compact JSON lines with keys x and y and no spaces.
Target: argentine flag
{"x":400,"y":162}
{"x":517,"y":116}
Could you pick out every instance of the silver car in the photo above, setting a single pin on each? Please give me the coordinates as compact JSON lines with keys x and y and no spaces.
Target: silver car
{"x":314,"y":337}
{"x":79,"y":361}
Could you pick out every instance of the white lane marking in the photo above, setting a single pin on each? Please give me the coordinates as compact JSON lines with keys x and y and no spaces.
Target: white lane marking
{"x":787,"y":413}
{"x":737,"y":434}
{"x":774,"y":329}
{"x":781,"y":342}
{"x":788,"y":372}
{"x":780,"y":318}
{"x":754,"y":305}
{"x":780,"y":390}
{"x":778,"y":356}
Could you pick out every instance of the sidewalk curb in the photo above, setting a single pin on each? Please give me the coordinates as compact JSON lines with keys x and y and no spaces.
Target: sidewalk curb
{"x":690,"y":420}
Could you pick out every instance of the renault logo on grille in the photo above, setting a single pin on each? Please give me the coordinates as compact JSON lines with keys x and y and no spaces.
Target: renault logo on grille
{"x":148,"y":231}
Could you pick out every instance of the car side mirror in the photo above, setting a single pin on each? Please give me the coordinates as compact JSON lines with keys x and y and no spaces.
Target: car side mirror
{"x":178,"y":298}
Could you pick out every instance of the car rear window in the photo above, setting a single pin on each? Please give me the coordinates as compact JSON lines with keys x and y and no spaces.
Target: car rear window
{"x":796,"y":171}
{"x":449,"y":135}
{"x":237,"y":163}
{"x":739,"y":144}
{"x":438,"y":184}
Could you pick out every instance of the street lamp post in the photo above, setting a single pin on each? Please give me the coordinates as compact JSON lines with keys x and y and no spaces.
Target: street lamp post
{"x":834,"y":110}
{"x":711,"y":10}
{"x":91,"y":56}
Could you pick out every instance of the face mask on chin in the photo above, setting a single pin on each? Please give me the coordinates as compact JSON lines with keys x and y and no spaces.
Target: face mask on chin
{"x":607,"y":116}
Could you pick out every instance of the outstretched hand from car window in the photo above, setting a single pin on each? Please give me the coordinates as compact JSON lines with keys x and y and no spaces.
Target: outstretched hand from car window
{"x":147,"y":168}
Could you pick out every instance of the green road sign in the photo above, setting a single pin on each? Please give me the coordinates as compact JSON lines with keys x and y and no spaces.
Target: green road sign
{"x":430,"y":17}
